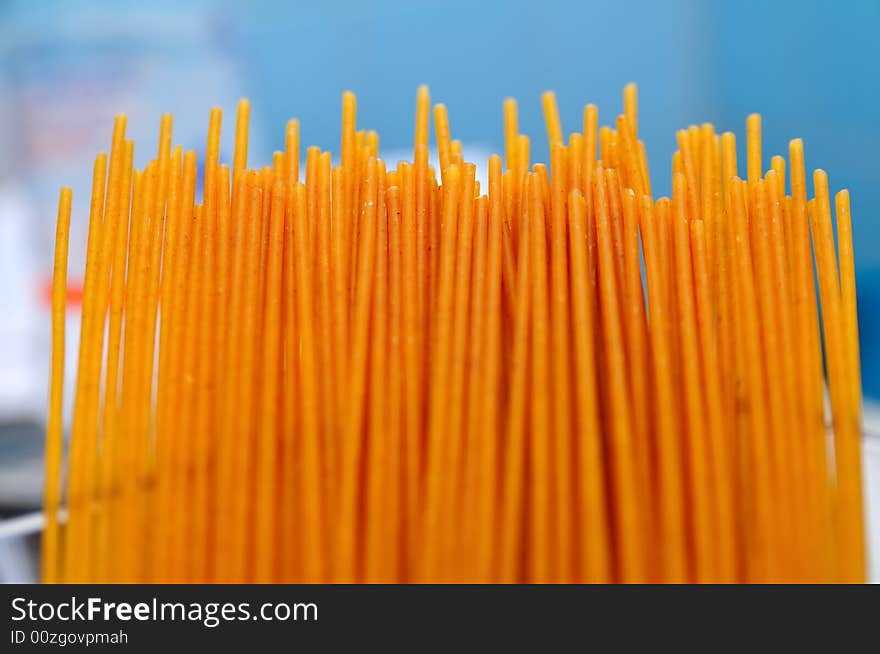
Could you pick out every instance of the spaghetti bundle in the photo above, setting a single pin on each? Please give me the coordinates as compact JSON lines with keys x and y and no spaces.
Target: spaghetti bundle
{"x":358,"y":373}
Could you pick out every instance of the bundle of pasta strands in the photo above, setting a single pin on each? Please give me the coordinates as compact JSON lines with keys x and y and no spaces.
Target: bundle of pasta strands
{"x":359,"y":373}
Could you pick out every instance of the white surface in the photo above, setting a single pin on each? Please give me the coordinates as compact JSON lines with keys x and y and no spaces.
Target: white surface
{"x":871,"y":467}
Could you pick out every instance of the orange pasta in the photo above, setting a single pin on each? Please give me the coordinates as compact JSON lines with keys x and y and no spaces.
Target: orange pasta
{"x":403,"y":375}
{"x":77,"y":548}
{"x":551,"y":117}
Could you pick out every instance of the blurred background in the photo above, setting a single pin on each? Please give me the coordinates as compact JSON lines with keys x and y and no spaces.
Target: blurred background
{"x":810,"y":69}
